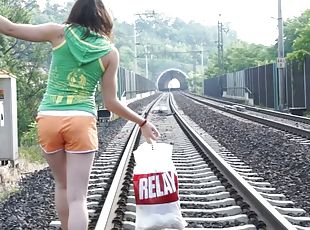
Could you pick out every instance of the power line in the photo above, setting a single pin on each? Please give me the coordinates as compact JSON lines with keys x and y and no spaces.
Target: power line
{"x":172,"y":52}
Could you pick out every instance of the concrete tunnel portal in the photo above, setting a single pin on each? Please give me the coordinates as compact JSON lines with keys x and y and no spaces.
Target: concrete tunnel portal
{"x":170,"y":74}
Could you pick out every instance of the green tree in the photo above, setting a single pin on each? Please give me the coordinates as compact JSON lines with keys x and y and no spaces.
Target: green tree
{"x":241,"y":55}
{"x":24,"y":60}
{"x":295,"y":30}
{"x":53,"y":13}
{"x":298,"y":36}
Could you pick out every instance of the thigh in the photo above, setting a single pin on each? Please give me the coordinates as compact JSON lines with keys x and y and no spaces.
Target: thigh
{"x":78,"y":171}
{"x":57,"y":163}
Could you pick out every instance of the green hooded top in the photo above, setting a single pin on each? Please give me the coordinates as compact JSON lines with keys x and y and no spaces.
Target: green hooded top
{"x":75,"y":71}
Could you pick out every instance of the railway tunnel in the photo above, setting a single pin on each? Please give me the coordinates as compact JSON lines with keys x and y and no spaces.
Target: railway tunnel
{"x":169,"y":76}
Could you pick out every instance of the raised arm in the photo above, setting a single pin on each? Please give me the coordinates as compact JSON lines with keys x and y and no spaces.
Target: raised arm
{"x":109,"y":86}
{"x":36,"y":33}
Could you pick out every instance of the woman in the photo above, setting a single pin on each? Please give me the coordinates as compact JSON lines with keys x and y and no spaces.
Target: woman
{"x":82,"y":55}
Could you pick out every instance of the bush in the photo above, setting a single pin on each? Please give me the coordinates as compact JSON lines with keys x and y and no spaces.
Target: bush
{"x":30,"y":138}
{"x":29,"y":149}
{"x":32,"y":154}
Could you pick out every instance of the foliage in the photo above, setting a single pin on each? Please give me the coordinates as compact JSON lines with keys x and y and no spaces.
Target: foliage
{"x":29,"y":148}
{"x":307,"y":114}
{"x":53,"y":13}
{"x":24,"y":60}
{"x":296,"y":34}
{"x":167,"y":42}
{"x":241,"y":55}
{"x":28,"y":61}
{"x":32,"y":154}
{"x":7,"y":193}
{"x":195,"y":82}
{"x":30,"y":138}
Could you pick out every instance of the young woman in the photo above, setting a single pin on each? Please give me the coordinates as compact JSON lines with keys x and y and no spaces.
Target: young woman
{"x":82,"y":55}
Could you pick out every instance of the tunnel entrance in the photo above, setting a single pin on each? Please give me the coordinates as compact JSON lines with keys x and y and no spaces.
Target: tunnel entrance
{"x":171,"y":78}
{"x":174,"y":84}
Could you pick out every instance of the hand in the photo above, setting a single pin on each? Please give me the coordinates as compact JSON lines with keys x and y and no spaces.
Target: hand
{"x":149,"y":132}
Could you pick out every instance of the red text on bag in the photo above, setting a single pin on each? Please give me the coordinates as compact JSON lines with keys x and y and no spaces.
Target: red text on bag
{"x":156,"y":188}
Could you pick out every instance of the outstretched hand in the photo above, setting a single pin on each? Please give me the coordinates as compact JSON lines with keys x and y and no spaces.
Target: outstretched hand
{"x":149,"y":132}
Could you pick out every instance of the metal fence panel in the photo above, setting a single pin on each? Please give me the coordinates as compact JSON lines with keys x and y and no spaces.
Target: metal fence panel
{"x":212,"y":87}
{"x":262,"y":85}
{"x":298,"y":85}
{"x":248,"y":81}
{"x":307,"y":77}
{"x":255,"y":76}
{"x":269,"y":86}
{"x":289,"y":86}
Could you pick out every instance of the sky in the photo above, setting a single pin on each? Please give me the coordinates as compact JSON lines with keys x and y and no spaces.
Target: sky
{"x":255,"y":21}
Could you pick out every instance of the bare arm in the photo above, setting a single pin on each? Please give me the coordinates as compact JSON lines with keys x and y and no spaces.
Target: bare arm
{"x":35,"y":33}
{"x":109,"y":86}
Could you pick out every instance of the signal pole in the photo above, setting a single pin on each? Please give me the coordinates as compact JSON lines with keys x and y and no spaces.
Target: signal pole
{"x":135,"y":46}
{"x":146,"y":62}
{"x":281,"y":59}
{"x":147,"y":15}
{"x":220,"y":52}
{"x":220,"y":44}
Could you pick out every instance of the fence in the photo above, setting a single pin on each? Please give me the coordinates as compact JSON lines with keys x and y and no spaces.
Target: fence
{"x":260,"y":85}
{"x":131,"y":84}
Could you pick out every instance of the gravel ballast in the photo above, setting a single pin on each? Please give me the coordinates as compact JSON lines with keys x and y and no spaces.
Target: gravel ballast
{"x":283,"y":162}
{"x":32,"y":206}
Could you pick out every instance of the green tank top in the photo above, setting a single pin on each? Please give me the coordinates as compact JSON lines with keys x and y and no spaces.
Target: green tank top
{"x":75,"y":71}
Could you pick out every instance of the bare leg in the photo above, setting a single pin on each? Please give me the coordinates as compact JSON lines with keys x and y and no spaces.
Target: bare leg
{"x":57,"y":163}
{"x":78,"y":171}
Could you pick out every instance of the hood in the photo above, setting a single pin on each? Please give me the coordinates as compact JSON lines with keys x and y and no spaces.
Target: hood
{"x":88,"y":49}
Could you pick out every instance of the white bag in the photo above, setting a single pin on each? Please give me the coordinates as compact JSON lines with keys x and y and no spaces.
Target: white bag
{"x":156,"y":188}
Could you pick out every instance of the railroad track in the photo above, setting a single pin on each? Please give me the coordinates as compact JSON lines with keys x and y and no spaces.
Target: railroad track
{"x":217,"y":190}
{"x":286,"y":122}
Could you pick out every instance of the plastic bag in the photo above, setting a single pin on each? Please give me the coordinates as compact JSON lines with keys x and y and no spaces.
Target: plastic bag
{"x":156,"y":188}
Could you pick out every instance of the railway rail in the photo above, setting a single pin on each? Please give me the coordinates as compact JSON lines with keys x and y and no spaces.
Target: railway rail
{"x":283,"y":121}
{"x":217,"y":190}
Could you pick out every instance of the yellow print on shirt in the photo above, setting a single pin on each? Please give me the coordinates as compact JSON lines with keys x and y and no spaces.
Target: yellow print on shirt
{"x":69,"y":99}
{"x":77,"y":80}
{"x":76,"y":83}
{"x":76,"y":91}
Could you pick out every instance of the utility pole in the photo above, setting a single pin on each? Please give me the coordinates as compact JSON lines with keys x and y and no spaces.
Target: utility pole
{"x":281,"y":59}
{"x":202,"y":59}
{"x":220,"y":53}
{"x":202,"y":70}
{"x":194,"y":78}
{"x":146,"y":62}
{"x":220,"y":44}
{"x":147,"y":15}
{"x":135,"y":47}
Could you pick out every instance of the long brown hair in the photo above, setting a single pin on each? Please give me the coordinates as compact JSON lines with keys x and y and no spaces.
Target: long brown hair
{"x":92,"y":15}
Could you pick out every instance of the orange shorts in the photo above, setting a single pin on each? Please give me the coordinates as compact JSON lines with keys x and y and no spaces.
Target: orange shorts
{"x":74,"y":134}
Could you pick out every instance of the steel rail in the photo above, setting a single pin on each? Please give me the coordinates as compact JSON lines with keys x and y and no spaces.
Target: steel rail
{"x":257,"y":109}
{"x":273,"y":218}
{"x":278,"y":125}
{"x":108,"y":211}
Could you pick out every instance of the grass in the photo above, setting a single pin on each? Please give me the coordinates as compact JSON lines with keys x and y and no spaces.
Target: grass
{"x":307,"y":114}
{"x":28,"y":154}
{"x":7,"y":193}
{"x":32,"y":154}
